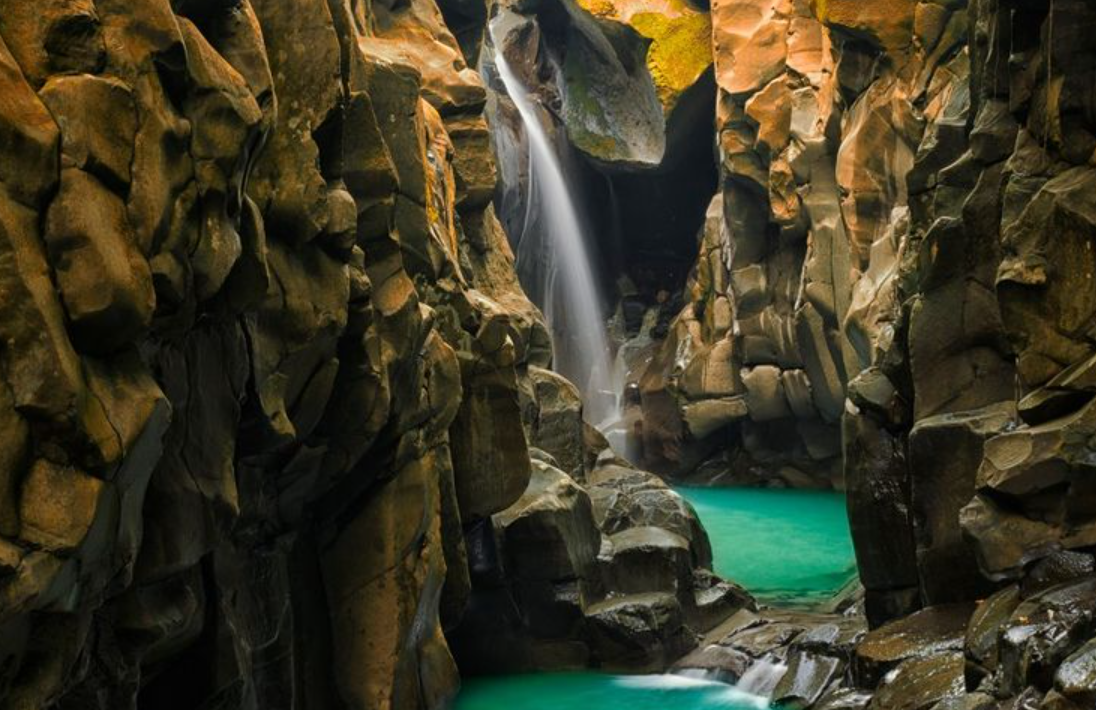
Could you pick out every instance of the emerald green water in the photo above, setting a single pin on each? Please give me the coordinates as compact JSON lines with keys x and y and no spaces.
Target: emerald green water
{"x":597,"y":691}
{"x":785,"y":547}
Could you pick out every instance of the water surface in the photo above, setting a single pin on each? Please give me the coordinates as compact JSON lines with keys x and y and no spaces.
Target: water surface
{"x":598,"y":691}
{"x":784,"y":546}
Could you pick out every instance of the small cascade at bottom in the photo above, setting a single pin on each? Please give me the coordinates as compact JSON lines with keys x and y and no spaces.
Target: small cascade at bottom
{"x":761,"y":678}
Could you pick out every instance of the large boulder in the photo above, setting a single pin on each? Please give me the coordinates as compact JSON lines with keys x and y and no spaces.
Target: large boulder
{"x":638,"y":632}
{"x":549,"y":533}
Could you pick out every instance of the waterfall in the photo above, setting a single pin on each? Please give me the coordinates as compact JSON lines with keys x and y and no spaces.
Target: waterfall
{"x":554,"y":264}
{"x":761,"y":678}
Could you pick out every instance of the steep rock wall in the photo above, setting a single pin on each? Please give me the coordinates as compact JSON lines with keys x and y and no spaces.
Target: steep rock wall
{"x":819,"y":124}
{"x":891,"y":294}
{"x":262,"y":351}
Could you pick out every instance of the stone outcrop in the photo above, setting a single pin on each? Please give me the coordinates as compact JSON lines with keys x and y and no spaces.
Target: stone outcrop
{"x":612,"y":572}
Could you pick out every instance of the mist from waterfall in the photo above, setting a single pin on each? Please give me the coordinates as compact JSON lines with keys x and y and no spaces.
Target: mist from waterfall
{"x":555,"y":268}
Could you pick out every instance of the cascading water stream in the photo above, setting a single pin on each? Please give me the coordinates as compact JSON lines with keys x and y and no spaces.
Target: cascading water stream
{"x":565,"y":287}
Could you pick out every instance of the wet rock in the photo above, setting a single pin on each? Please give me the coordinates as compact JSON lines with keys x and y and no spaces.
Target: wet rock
{"x":1060,"y":567}
{"x":983,"y":631}
{"x":932,"y":633}
{"x":714,"y":600}
{"x":646,"y":559}
{"x":638,"y":632}
{"x":1076,"y":677}
{"x":920,"y":683}
{"x":1042,"y":632}
{"x":807,"y":678}
{"x":625,"y":498}
{"x":968,"y":701}
{"x":554,"y":516}
{"x":844,"y":699}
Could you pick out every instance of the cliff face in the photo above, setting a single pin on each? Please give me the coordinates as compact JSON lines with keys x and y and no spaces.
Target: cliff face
{"x":271,"y":387}
{"x":892,"y":295}
{"x":903,"y":215}
{"x":261,"y":349}
{"x":822,"y":112}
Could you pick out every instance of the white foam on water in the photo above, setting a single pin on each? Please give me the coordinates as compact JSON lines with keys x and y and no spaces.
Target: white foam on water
{"x":761,"y":678}
{"x":727,"y":695}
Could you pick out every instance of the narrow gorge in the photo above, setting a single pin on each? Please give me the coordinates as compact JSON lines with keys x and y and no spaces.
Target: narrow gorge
{"x":547,"y":354}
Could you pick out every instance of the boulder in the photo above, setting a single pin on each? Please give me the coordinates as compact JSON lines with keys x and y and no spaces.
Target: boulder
{"x":553,"y":418}
{"x":638,"y":632}
{"x":554,"y":518}
{"x":921,"y":683}
{"x":1075,"y":679}
{"x":981,"y":644}
{"x":806,"y":680}
{"x":1042,"y":632}
{"x":929,"y":635}
{"x":646,"y":559}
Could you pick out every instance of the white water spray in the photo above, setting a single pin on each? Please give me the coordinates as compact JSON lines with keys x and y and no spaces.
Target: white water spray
{"x":761,"y":678}
{"x":568,"y":293}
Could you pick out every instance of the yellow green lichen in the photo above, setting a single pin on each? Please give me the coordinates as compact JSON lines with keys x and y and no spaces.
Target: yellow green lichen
{"x":583,"y":106}
{"x":680,"y":37}
{"x":598,"y":8}
{"x":680,"y":51}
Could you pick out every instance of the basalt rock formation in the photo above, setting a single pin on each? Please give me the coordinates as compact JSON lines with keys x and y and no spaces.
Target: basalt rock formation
{"x":278,"y":427}
{"x":263,"y":353}
{"x":270,"y":383}
{"x":892,"y":296}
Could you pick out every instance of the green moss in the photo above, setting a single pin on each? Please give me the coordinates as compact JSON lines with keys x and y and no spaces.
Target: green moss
{"x":680,"y":50}
{"x":583,"y":110}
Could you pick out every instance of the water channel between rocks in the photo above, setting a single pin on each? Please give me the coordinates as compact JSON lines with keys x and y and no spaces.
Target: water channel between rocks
{"x":788,"y":548}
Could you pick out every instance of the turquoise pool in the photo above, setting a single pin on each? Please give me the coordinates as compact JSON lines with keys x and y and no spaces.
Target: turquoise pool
{"x":785,"y":547}
{"x":598,"y":691}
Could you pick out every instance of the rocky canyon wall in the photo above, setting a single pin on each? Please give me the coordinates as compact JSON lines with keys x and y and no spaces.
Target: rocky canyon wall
{"x":891,"y":294}
{"x":262,"y":345}
{"x":275,"y":414}
{"x":276,"y":424}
